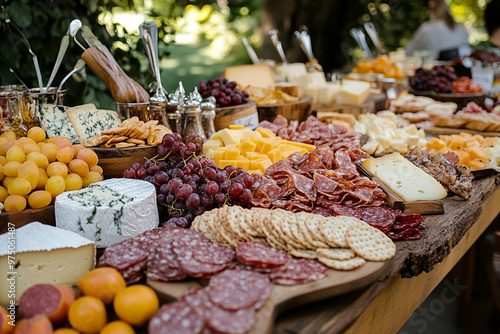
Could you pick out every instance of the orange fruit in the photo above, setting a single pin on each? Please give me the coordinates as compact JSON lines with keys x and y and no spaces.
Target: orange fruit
{"x":39,"y":324}
{"x":89,"y":156}
{"x":136,"y":304}
{"x":5,"y":327}
{"x":117,"y":327}
{"x":87,"y":315}
{"x":62,"y":142}
{"x":103,"y":283}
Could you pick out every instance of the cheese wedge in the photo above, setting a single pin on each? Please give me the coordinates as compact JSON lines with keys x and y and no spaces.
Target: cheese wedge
{"x":404,"y":178}
{"x":253,"y":75}
{"x":42,"y":254}
{"x":353,"y":92}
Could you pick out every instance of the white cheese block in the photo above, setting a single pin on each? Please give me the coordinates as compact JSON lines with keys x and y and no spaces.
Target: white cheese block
{"x":328,"y":93}
{"x":404,"y":178}
{"x":353,"y":92}
{"x":250,"y":75}
{"x":109,"y":211}
{"x":43,"y":255}
{"x":290,"y":71}
{"x":54,"y":120}
{"x":89,"y":122}
{"x":310,"y":79}
{"x":313,"y":92}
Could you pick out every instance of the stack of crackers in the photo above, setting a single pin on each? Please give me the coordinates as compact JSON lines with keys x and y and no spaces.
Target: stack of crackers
{"x":131,"y":132}
{"x":340,"y":242}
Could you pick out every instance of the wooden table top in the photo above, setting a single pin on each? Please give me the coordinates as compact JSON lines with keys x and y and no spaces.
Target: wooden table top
{"x":415,"y":271}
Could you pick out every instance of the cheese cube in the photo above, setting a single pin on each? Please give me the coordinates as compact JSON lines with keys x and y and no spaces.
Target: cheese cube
{"x":43,"y":255}
{"x":266,"y":133}
{"x":211,"y":144}
{"x":247,"y":146}
{"x":259,"y":143}
{"x":263,"y":164}
{"x":236,"y":127}
{"x":308,"y":147}
{"x":243,"y":163}
{"x":219,"y":155}
{"x":230,"y":136}
{"x":289,"y":72}
{"x":266,"y":147}
{"x":232,"y":154}
{"x":256,"y":156}
{"x":224,"y":163}
{"x":404,"y":178}
{"x":274,"y":154}
{"x":353,"y":92}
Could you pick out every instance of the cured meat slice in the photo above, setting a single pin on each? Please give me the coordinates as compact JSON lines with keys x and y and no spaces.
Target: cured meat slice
{"x":342,"y":159}
{"x":193,"y":268}
{"x":305,"y":185}
{"x":213,"y":253}
{"x":163,"y":266}
{"x":299,"y":271}
{"x":197,"y":298}
{"x":311,"y":164}
{"x":229,"y":322}
{"x":408,"y":234}
{"x":342,"y":210}
{"x":379,"y":217}
{"x":404,"y":221}
{"x":262,"y":285}
{"x":134,"y":270}
{"x":324,"y":184}
{"x":231,"y":291}
{"x":260,"y":199}
{"x":261,"y":256}
{"x":179,"y":318}
{"x":186,"y":240}
{"x":126,"y":253}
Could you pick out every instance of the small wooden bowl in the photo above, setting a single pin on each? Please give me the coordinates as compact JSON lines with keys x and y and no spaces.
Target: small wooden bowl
{"x":115,"y":160}
{"x":460,"y":99}
{"x":243,"y":114}
{"x":44,"y":215}
{"x":295,"y":111}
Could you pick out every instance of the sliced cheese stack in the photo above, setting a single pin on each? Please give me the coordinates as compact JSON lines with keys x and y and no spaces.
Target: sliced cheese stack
{"x":406,"y":180}
{"x":253,"y":151}
{"x":109,"y":211}
{"x":353,"y":92}
{"x":43,"y":254}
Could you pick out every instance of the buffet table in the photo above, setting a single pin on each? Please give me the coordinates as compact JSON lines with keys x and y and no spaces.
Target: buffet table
{"x":418,"y":267}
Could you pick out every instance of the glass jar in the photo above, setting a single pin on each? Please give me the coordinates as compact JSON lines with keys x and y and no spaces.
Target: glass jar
{"x":32,"y":101}
{"x":127,"y":110}
{"x":157,"y":111}
{"x":208,"y":116}
{"x":193,"y":129}
{"x":10,"y":104}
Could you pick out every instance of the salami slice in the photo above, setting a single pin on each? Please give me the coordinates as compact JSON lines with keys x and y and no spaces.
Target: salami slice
{"x":261,"y":256}
{"x":230,"y":322}
{"x":232,"y":290}
{"x":161,"y":269}
{"x":197,"y":298}
{"x":191,"y":267}
{"x":379,"y":217}
{"x":404,"y":221}
{"x":187,"y":240}
{"x":177,"y":318}
{"x":213,"y":253}
{"x":408,"y":234}
{"x":263,"y":287}
{"x":299,"y":271}
{"x":134,"y":270}
{"x":125,"y":254}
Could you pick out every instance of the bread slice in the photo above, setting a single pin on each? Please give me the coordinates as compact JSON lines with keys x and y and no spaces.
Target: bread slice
{"x":88,"y":121}
{"x":54,"y":120}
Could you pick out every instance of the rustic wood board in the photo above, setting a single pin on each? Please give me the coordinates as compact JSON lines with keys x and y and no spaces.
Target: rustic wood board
{"x":295,"y":111}
{"x":484,"y":172}
{"x":227,"y":116}
{"x":44,"y":215}
{"x":460,"y":99}
{"x":434,"y":207}
{"x":373,"y":104}
{"x":284,"y":298}
{"x":115,"y":160}
{"x":435,"y":130}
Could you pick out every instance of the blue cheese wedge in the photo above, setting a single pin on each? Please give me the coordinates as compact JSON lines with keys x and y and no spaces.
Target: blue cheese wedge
{"x":42,"y":254}
{"x":54,"y":120}
{"x":88,"y":121}
{"x":109,"y":211}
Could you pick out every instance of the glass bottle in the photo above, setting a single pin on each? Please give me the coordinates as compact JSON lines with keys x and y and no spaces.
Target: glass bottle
{"x":208,"y":116}
{"x":193,"y":130}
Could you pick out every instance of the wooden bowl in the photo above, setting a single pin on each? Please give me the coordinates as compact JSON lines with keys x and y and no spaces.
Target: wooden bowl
{"x":243,"y":114}
{"x":460,"y":99}
{"x":295,"y":111}
{"x":115,"y":160}
{"x":44,"y":215}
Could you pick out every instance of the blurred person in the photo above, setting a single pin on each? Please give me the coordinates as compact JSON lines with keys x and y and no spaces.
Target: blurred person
{"x":492,"y":25}
{"x":441,"y":35}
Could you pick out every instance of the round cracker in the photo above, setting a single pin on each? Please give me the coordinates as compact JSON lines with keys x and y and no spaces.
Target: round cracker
{"x":370,"y":243}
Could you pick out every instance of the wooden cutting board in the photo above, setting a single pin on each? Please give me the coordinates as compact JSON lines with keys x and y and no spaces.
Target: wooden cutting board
{"x":286,"y":297}
{"x":435,"y":130}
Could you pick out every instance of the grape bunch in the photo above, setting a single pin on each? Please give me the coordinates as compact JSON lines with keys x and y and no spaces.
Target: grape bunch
{"x":187,"y":185}
{"x":439,"y":79}
{"x":226,"y":92}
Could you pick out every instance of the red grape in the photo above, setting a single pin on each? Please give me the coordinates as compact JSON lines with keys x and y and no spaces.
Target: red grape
{"x":129,"y":173}
{"x":141,"y":172}
{"x":183,"y":191}
{"x":192,"y":201}
{"x":235,"y":189}
{"x":161,"y":177}
{"x":212,"y":187}
{"x":168,"y":140}
{"x":153,"y":169}
{"x":219,"y":198}
{"x":135,"y":166}
{"x":245,"y":197}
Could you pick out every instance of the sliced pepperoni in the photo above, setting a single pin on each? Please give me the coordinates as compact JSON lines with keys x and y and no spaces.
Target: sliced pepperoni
{"x":261,"y":256}
{"x":213,"y":253}
{"x":179,"y":318}
{"x":299,"y":271}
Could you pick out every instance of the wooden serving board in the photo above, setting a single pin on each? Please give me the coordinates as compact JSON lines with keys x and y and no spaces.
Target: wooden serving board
{"x":287,"y":297}
{"x":435,"y":130}
{"x":115,"y":160}
{"x":434,"y":207}
{"x":294,"y":111}
{"x":460,"y":99}
{"x":483,"y":172}
{"x":44,"y":215}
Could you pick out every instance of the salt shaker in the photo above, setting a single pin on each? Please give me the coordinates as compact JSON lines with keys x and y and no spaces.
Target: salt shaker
{"x":193,"y":130}
{"x":208,"y":116}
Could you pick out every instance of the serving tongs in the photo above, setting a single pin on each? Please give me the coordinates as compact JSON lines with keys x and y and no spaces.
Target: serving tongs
{"x":273,"y":34}
{"x":359,"y":37}
{"x":251,"y":52}
{"x":374,"y":36}
{"x":304,"y":40}
{"x":101,"y":61}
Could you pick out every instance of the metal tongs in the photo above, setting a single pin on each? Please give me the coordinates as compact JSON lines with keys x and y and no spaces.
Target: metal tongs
{"x":149,"y":35}
{"x":372,"y":32}
{"x":304,"y":40}
{"x":251,"y":52}
{"x":273,"y":34}
{"x":359,"y":37}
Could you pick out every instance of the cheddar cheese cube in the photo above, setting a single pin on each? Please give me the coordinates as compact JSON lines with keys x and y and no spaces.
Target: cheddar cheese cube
{"x":263,"y":164}
{"x":232,"y":154}
{"x":247,"y":146}
{"x":274,"y":154}
{"x":224,"y":163}
{"x":236,"y":127}
{"x":265,"y":132}
{"x":211,"y":144}
{"x":266,"y":147}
